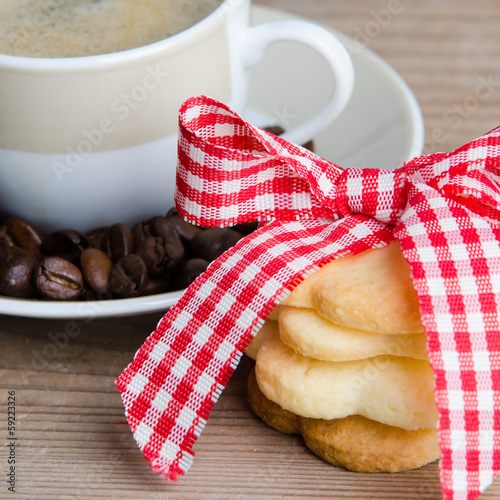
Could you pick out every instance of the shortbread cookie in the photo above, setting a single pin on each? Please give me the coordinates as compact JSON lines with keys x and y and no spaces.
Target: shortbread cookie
{"x":269,"y":328}
{"x":343,"y":362}
{"x":355,"y":443}
{"x":393,"y":390}
{"x":309,"y":334}
{"x":370,"y":291}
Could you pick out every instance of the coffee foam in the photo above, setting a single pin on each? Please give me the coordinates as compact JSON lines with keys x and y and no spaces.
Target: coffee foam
{"x":72,"y":28}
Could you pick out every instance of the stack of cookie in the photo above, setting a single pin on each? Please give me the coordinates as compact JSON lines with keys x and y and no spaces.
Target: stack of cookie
{"x":343,"y":361}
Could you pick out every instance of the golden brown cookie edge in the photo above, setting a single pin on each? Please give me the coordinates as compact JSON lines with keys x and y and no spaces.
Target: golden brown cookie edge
{"x":355,"y":443}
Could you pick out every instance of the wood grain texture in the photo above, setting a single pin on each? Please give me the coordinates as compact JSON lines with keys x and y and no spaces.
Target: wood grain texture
{"x":72,"y":442}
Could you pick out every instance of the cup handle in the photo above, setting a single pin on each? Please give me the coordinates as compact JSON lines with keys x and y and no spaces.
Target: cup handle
{"x":258,"y":38}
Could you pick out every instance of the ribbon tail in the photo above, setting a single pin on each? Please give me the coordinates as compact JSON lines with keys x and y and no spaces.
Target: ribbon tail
{"x":177,"y":376}
{"x":454,"y":255}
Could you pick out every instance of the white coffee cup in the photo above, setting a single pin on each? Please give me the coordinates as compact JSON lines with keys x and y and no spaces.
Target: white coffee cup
{"x":90,"y":141}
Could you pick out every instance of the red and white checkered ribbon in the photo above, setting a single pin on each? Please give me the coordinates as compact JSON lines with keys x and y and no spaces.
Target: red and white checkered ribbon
{"x":443,"y":208}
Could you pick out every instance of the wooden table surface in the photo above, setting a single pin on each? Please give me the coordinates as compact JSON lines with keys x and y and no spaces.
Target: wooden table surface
{"x":71,"y":439}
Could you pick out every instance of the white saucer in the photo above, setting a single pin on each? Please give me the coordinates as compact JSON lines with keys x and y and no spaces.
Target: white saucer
{"x":382,"y":125}
{"x":380,"y":128}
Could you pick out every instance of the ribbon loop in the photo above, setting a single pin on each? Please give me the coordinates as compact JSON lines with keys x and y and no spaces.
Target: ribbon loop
{"x":231,"y":172}
{"x":470,"y":175}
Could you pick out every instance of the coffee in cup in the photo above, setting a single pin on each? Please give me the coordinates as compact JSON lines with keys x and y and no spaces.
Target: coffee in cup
{"x":79,"y":28}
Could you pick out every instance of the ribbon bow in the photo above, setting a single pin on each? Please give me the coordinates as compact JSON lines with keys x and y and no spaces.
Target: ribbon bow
{"x":445,"y":211}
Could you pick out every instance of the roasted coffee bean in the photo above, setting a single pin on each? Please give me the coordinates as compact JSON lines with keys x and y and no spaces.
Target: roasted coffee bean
{"x":275,"y":129}
{"x":155,"y":226}
{"x":88,"y":294}
{"x":188,"y":272}
{"x":186,"y":230}
{"x":246,"y":228}
{"x":129,"y":276}
{"x":166,"y":253}
{"x":118,"y":241}
{"x":278,"y":130}
{"x":164,"y":227}
{"x":96,"y":236}
{"x":8,"y":250}
{"x":156,"y":285}
{"x":5,"y":248}
{"x":58,"y":278}
{"x":23,"y":234}
{"x":152,"y":251}
{"x":16,"y":277}
{"x":65,"y":243}
{"x":211,"y":243}
{"x":139,"y":232}
{"x":161,"y":255}
{"x":159,"y":245}
{"x":96,"y":268}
